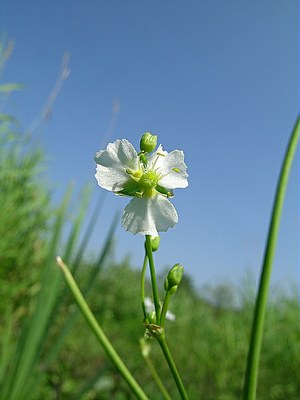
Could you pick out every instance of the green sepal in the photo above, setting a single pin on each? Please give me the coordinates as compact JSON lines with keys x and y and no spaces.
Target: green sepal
{"x":173,"y":289}
{"x":164,"y":191}
{"x":131,"y":188}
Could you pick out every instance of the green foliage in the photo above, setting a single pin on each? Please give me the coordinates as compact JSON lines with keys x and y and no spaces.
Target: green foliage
{"x":25,"y":207}
{"x":209,"y":343}
{"x":24,"y":214}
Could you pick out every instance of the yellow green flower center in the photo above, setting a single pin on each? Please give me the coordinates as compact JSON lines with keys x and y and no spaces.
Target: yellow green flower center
{"x":149,"y":179}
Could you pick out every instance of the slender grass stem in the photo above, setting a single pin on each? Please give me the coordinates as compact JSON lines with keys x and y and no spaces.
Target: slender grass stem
{"x":156,"y":378}
{"x":143,"y":277}
{"x":153,"y":277}
{"x":163,"y":344}
{"x":95,"y":327}
{"x":251,"y":374}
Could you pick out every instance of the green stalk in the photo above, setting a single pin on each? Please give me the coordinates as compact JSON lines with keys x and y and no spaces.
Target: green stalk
{"x":93,"y":271}
{"x":156,"y":378}
{"x":250,"y":383}
{"x":165,"y":308}
{"x":143,"y":277}
{"x":163,"y":344}
{"x":153,"y":277}
{"x":95,"y":327}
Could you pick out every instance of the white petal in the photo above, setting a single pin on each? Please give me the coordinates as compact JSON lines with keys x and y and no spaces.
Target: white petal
{"x":149,"y":305}
{"x":111,"y":179}
{"x":150,"y":215}
{"x":112,"y":164}
{"x":165,"y":166}
{"x":173,"y":162}
{"x":170,"y":316}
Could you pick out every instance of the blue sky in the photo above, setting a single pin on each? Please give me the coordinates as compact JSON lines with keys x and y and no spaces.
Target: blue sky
{"x":217,"y":79}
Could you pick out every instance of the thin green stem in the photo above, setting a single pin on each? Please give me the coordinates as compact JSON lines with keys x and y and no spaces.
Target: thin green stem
{"x":250,"y":384}
{"x":163,"y":344}
{"x":153,"y":277}
{"x":165,"y":308}
{"x":143,"y":276}
{"x":156,"y":377}
{"x":95,"y":327}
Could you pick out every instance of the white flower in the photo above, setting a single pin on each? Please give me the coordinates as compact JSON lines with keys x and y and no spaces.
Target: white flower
{"x":149,"y":179}
{"x":150,"y":308}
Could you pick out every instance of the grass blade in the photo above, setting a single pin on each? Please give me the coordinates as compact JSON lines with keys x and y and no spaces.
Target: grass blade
{"x":251,"y":374}
{"x":31,"y":340}
{"x":96,"y":329}
{"x":70,"y":321}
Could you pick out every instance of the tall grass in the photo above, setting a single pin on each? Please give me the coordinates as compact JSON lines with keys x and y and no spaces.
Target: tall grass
{"x":30,"y":281}
{"x":32,"y":232}
{"x":215,"y":336}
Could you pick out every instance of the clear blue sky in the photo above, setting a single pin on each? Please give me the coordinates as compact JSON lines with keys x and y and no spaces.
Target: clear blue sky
{"x":217,"y":79}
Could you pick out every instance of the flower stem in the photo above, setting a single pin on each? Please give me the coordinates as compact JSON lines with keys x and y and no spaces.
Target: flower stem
{"x":250,"y":383}
{"x":165,"y":308}
{"x":95,"y":327}
{"x":153,"y":277}
{"x":143,"y":286}
{"x":163,"y":344}
{"x":156,"y":377}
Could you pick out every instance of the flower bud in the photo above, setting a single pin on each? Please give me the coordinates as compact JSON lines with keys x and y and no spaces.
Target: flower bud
{"x":148,"y":142}
{"x":145,"y":347}
{"x":152,"y":317}
{"x":155,"y":242}
{"x":174,"y":278}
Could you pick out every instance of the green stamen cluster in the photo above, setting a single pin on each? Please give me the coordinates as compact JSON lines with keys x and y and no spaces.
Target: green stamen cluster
{"x":149,"y":179}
